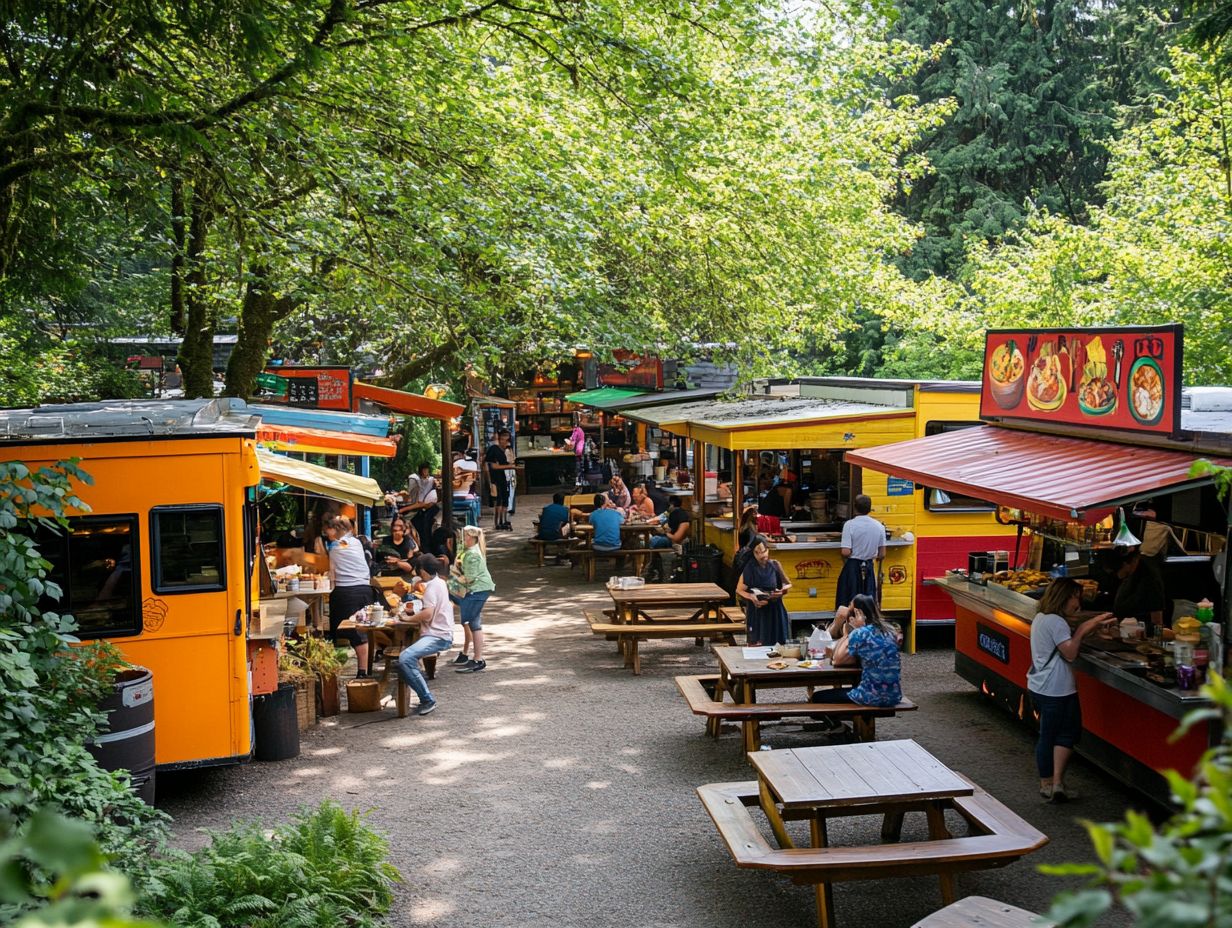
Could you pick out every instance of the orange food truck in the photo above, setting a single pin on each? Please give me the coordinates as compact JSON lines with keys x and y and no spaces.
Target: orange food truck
{"x":807,"y":424}
{"x":164,"y":563}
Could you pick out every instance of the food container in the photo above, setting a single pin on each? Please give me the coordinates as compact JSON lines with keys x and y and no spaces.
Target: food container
{"x":788,"y":650}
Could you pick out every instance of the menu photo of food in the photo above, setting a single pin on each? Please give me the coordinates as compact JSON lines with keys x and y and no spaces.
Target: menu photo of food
{"x":1120,"y":378}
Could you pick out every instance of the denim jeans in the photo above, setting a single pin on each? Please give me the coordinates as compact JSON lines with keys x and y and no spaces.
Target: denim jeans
{"x":471,"y":607}
{"x":408,"y":663}
{"x":660,"y":541}
{"x":1060,"y":724}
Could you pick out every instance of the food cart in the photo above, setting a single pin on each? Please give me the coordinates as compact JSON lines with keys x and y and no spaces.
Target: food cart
{"x":164,"y":563}
{"x":810,"y":423}
{"x":1075,"y":437}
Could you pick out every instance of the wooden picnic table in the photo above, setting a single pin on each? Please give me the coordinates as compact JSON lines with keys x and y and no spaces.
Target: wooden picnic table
{"x":742,"y":676}
{"x":703,"y":602}
{"x":401,"y":634}
{"x":632,"y":534}
{"x":888,"y":777}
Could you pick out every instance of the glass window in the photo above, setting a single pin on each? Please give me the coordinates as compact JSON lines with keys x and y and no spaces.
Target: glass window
{"x":96,"y":565}
{"x":938,"y":500}
{"x":188,"y":552}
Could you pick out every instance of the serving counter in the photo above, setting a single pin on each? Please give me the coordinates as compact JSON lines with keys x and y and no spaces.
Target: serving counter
{"x":1126,"y":719}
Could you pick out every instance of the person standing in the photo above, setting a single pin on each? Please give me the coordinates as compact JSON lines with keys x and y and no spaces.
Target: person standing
{"x":762,"y":586}
{"x":424,"y":506}
{"x":511,"y":458}
{"x":863,"y":544}
{"x":498,"y":480}
{"x":576,"y":442}
{"x":472,"y":585}
{"x":1054,"y":691}
{"x":435,"y":621}
{"x":351,"y":586}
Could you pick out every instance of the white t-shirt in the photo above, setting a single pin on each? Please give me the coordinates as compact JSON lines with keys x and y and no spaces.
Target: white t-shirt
{"x":427,"y":490}
{"x":347,"y":564}
{"x":436,"y":598}
{"x":865,"y":536}
{"x":1052,"y":677}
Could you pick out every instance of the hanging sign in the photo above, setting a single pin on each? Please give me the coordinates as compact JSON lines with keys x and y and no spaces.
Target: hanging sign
{"x":314,"y":387}
{"x":632,"y":371}
{"x":1126,"y":378}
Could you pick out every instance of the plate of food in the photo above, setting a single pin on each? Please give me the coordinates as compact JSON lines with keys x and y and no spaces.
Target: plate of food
{"x":1006,"y":367}
{"x":1146,"y":391}
{"x":1046,"y":382}
{"x":1097,"y":396}
{"x":778,"y":665}
{"x":808,"y":665}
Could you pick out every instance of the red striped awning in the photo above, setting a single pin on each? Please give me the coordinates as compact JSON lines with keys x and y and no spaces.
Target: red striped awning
{"x":1067,"y":478}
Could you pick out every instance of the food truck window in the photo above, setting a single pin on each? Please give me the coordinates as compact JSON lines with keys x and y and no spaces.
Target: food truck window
{"x":96,"y":564}
{"x":187,"y":549}
{"x":936,"y":500}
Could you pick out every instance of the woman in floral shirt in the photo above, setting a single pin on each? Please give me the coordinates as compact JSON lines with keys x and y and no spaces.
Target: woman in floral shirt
{"x":872,"y":645}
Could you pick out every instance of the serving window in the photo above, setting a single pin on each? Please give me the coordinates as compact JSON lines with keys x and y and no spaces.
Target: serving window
{"x":96,"y":565}
{"x":938,"y":500}
{"x":187,"y":549}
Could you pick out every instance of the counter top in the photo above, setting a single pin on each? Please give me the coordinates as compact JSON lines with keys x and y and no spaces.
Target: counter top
{"x":1091,"y":659}
{"x":726,"y":525}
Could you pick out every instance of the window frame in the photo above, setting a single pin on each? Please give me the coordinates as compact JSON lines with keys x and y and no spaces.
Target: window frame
{"x":156,"y":581}
{"x":938,"y":427}
{"x":66,"y":608}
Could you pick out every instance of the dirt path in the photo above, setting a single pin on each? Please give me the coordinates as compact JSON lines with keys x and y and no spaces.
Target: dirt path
{"x":557,"y":789}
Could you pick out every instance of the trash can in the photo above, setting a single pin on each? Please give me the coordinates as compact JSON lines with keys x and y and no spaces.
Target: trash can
{"x":703,"y":564}
{"x":127,"y":741}
{"x":276,"y":724}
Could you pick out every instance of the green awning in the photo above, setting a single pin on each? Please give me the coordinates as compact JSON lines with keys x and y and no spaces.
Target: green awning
{"x":604,"y":396}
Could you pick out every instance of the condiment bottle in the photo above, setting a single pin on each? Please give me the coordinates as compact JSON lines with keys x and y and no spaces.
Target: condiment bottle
{"x":1187,"y":639}
{"x":1205,"y":611}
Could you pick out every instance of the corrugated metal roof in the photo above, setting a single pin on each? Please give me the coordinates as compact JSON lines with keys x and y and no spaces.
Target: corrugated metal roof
{"x":1067,"y":478}
{"x":758,"y":412}
{"x":128,"y":418}
{"x":604,"y":397}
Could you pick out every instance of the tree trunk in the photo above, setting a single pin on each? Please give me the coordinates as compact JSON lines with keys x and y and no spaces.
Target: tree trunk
{"x":261,"y":311}
{"x":197,"y":349}
{"x":400,"y":376}
{"x":178,"y":233}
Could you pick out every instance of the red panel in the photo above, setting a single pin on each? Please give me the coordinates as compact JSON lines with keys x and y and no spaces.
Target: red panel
{"x":1065,"y":478}
{"x":935,"y":555}
{"x":409,"y":404}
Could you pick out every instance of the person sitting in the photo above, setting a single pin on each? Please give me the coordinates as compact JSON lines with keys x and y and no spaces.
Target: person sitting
{"x":399,"y":550}
{"x":657,"y":496}
{"x":641,"y":507}
{"x":436,"y":631}
{"x":465,"y":473}
{"x":554,"y":519}
{"x":618,"y":493}
{"x":675,"y":533}
{"x":606,"y":520}
{"x":871,"y":644}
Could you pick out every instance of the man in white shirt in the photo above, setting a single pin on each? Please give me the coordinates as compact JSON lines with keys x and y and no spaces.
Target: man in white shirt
{"x":435,"y":621}
{"x":422,"y":507}
{"x":863,"y":544}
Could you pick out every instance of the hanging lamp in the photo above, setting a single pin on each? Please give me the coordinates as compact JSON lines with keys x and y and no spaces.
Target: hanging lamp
{"x":1124,"y":537}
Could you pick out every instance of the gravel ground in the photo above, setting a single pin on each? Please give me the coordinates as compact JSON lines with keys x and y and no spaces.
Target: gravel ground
{"x":558,"y":789}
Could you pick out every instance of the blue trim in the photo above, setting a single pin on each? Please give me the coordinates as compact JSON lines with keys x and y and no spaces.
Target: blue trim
{"x":353,"y":423}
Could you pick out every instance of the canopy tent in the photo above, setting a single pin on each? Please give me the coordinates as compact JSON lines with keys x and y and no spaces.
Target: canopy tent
{"x":1066,"y":478}
{"x":323,"y":441}
{"x":335,"y":484}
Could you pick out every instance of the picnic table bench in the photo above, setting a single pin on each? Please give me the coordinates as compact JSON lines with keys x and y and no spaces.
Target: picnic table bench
{"x":560,"y":546}
{"x":890,"y":778}
{"x":628,"y":634}
{"x":705,"y":698}
{"x":981,"y":912}
{"x":587,"y":556}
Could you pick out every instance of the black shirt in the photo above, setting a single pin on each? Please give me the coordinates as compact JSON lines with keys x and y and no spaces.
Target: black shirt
{"x":496,"y":455}
{"x":406,"y":550}
{"x":659,"y":498}
{"x":772,"y":504}
{"x":675,"y":518}
{"x":1139,"y":594}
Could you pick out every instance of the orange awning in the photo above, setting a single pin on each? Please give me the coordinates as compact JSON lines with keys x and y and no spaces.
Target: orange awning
{"x":323,"y":441}
{"x":409,"y":404}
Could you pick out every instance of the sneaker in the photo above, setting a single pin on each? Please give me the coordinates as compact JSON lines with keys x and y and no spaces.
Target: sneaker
{"x":1046,"y":792}
{"x":1060,"y":795}
{"x":472,"y":667}
{"x":425,"y":707}
{"x":461,"y":659}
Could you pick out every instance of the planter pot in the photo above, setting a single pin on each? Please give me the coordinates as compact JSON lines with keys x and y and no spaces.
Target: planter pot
{"x":327,"y":696}
{"x":306,"y":702}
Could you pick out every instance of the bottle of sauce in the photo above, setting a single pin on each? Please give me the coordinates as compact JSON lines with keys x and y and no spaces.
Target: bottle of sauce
{"x":1188,"y":637}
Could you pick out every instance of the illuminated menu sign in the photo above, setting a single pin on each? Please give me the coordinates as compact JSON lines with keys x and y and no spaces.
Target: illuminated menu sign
{"x":1115,"y":378}
{"x":315,"y":387}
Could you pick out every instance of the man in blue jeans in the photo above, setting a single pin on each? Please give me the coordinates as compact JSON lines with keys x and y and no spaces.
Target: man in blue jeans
{"x":435,"y":621}
{"x":675,"y":532}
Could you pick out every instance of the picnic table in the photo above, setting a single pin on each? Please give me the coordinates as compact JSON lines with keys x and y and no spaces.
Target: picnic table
{"x":632,"y":534}
{"x":688,"y":602}
{"x":401,"y":635}
{"x":887,"y":778}
{"x":743,"y":670}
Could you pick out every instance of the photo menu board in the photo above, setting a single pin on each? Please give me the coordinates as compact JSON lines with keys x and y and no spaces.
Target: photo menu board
{"x":313,"y":387}
{"x":1126,"y":378}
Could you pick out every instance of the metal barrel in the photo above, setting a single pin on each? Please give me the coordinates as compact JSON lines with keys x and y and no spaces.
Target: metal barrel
{"x":127,"y":741}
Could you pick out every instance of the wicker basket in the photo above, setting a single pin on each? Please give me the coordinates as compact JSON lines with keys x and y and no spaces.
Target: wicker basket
{"x":306,"y":702}
{"x":363,"y":695}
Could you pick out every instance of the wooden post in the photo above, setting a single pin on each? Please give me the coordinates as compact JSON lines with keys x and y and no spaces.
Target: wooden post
{"x":446,"y":491}
{"x":602,"y":446}
{"x":737,"y":498}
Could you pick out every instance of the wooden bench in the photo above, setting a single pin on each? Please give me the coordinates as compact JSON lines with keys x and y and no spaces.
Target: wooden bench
{"x":560,"y":545}
{"x":699,"y":692}
{"x":981,"y":912}
{"x":588,"y":557}
{"x":1000,"y":837}
{"x":628,"y":634}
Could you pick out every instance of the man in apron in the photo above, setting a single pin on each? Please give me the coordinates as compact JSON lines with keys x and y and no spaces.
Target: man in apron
{"x":863,"y":544}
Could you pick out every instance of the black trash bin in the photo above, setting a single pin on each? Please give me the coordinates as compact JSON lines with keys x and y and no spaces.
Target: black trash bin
{"x":275,"y":725}
{"x":703,"y":564}
{"x":127,"y":741}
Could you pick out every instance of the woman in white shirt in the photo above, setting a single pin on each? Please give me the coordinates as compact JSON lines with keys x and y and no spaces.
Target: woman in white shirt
{"x":1054,"y":691}
{"x":352,"y":585}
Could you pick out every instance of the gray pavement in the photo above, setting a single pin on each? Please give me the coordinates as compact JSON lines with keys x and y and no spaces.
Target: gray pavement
{"x":556,"y":789}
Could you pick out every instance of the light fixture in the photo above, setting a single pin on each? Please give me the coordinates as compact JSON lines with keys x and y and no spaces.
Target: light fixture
{"x":1124,"y":537}
{"x":434,"y":391}
{"x":940,"y":498}
{"x":583,"y":354}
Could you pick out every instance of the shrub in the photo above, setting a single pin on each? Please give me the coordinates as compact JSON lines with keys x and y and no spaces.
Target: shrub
{"x":322,"y":869}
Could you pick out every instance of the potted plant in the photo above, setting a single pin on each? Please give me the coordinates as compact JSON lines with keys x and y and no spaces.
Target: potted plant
{"x":322,"y":661}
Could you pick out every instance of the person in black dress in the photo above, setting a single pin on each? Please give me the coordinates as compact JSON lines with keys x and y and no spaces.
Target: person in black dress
{"x":765,"y":614}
